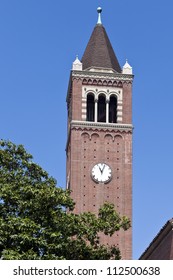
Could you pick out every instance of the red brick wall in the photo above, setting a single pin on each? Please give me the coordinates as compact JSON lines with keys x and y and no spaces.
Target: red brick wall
{"x":76,"y":99}
{"x":127,"y":103}
{"x":88,"y":146}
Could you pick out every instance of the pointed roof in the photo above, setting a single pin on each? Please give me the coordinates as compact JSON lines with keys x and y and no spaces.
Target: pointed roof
{"x":161,"y":248}
{"x":99,"y":52}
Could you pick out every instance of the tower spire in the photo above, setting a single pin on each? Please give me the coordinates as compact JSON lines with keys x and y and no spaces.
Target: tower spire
{"x":99,"y":52}
{"x":99,"y":10}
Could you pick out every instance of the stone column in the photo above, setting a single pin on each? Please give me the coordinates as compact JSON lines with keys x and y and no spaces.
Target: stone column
{"x":96,"y":109}
{"x":107,"y":110}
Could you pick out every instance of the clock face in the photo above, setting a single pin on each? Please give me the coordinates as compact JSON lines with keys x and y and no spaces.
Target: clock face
{"x":101,"y":173}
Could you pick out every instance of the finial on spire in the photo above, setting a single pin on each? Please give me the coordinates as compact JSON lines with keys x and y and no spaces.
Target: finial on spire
{"x":99,"y":10}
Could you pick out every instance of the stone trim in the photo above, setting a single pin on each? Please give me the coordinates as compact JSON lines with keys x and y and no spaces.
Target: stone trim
{"x":107,"y":92}
{"x":100,"y":125}
{"x":98,"y":75}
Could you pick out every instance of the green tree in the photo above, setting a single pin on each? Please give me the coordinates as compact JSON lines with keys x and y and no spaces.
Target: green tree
{"x":36,"y":217}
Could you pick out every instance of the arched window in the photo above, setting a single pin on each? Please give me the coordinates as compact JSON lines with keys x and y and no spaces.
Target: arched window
{"x":101,"y":109}
{"x":113,"y":109}
{"x":90,"y":107}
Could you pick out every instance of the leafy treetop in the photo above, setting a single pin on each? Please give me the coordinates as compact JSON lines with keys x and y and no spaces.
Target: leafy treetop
{"x":36,"y":217}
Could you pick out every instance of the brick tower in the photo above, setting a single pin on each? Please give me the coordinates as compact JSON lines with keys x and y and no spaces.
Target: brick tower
{"x":99,"y":144}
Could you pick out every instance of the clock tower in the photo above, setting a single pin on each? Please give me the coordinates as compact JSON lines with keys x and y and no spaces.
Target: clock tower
{"x":99,"y":143}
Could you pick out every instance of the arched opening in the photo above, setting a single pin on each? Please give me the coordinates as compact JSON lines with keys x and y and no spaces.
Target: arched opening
{"x":101,"y":109}
{"x":113,"y":109}
{"x":90,"y":107}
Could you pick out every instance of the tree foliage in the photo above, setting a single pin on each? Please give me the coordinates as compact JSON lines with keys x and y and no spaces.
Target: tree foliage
{"x":36,"y":217}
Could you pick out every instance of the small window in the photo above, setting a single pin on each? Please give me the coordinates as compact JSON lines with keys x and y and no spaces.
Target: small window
{"x":90,"y":107}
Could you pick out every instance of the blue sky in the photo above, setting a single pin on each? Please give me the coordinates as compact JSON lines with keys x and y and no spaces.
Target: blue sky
{"x":39,"y":42}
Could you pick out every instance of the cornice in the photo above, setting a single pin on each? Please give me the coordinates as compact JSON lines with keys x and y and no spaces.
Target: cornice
{"x":83,"y":125}
{"x":99,"y":79}
{"x":97,"y":127}
{"x":102,"y":75}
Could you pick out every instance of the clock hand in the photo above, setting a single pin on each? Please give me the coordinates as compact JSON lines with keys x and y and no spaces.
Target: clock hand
{"x":101,"y":169}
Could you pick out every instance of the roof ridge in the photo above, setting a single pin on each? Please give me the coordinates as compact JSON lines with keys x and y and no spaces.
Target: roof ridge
{"x":168,"y":225}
